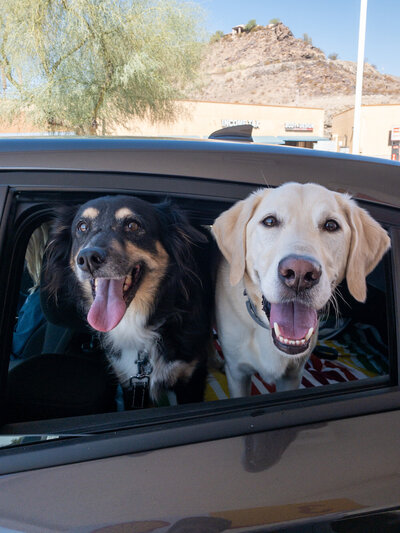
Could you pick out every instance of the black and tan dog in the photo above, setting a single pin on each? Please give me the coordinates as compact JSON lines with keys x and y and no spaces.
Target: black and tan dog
{"x":138,"y":271}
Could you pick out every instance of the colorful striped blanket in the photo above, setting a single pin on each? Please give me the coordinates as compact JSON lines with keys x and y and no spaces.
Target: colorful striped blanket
{"x":361,"y":353}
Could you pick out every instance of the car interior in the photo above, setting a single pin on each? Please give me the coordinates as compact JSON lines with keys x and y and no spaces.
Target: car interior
{"x":57,"y":368}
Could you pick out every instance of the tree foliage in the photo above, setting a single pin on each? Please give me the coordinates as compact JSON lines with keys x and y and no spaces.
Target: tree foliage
{"x":77,"y":63}
{"x":217,"y":36}
{"x":250,"y":25}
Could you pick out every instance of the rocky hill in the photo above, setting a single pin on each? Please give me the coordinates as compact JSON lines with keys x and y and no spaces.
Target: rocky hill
{"x":270,"y":66}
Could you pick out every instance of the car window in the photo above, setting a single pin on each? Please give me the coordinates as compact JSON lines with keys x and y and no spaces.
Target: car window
{"x":58,"y":368}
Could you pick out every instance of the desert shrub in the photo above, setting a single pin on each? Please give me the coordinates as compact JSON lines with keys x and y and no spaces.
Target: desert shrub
{"x":250,"y":25}
{"x":217,"y":36}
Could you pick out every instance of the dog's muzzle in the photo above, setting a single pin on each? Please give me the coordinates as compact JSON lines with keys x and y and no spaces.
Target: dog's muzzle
{"x":113,"y":285}
{"x":292,"y":320}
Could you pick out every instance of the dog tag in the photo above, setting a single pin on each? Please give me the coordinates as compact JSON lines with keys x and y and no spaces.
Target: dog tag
{"x":145,"y":368}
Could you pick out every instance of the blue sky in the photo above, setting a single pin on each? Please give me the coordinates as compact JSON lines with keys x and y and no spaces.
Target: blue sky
{"x":332,"y":24}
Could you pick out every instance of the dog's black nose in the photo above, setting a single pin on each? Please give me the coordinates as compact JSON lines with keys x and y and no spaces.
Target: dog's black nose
{"x":298,"y":272}
{"x":90,"y":259}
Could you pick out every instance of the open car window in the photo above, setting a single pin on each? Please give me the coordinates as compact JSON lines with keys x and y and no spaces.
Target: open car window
{"x":58,"y":371}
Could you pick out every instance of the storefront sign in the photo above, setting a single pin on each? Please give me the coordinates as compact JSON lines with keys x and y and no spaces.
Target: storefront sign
{"x":396,"y":151}
{"x":227,"y":123}
{"x":299,"y":126}
{"x":395,"y":136}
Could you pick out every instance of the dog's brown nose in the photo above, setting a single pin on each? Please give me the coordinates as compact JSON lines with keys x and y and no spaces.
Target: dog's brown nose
{"x":298,"y":272}
{"x":89,"y":259}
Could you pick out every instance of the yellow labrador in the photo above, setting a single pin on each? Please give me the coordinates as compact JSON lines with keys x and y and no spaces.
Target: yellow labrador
{"x":285,"y":250}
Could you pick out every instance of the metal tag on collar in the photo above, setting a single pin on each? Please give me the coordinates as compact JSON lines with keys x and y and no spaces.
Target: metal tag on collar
{"x":135,"y":395}
{"x":144,"y":366}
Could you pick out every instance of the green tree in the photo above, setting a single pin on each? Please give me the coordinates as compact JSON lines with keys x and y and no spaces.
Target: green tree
{"x":274,"y":21}
{"x":217,"y":36}
{"x":77,"y":63}
{"x":250,"y":25}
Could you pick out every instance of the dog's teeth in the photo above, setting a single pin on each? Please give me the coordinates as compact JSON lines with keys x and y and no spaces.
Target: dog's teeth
{"x":291,"y":342}
{"x":310,"y":332}
{"x":277,"y":330}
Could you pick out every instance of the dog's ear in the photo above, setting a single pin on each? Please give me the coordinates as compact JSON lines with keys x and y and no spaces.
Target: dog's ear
{"x":229,"y":230}
{"x":369,"y":242}
{"x":179,"y":236}
{"x":57,"y":253}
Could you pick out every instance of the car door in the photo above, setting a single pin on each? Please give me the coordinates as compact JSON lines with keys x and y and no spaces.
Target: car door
{"x":298,"y":458}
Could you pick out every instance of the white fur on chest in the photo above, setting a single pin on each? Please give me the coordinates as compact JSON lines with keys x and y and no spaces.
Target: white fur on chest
{"x":247,"y":346}
{"x":131,"y":337}
{"x":124,"y":345}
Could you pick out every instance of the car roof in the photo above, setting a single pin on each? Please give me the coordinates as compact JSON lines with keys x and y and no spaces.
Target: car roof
{"x":261,"y":165}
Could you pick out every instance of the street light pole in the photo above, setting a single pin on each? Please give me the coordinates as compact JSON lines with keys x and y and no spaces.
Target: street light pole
{"x":359,"y":80}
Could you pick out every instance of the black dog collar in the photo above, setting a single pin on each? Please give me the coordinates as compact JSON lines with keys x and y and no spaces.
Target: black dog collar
{"x":252,"y":310}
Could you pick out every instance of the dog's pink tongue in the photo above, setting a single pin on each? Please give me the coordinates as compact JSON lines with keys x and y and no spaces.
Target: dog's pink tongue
{"x":294,"y":319}
{"x":109,"y":306}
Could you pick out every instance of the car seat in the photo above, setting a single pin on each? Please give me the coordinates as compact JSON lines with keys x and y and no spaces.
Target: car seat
{"x":63,"y":371}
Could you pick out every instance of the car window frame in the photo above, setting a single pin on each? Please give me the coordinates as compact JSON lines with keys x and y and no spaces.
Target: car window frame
{"x":196,"y":423}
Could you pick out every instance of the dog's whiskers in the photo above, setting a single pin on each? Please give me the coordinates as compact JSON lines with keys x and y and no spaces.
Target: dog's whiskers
{"x":333,"y":304}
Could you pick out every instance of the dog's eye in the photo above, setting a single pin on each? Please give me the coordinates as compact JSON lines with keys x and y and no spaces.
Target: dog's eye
{"x":132,"y":225}
{"x":270,"y":221}
{"x":82,"y":226}
{"x":331,"y":225}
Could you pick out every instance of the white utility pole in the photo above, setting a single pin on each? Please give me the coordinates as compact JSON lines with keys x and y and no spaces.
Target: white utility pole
{"x":359,"y":80}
